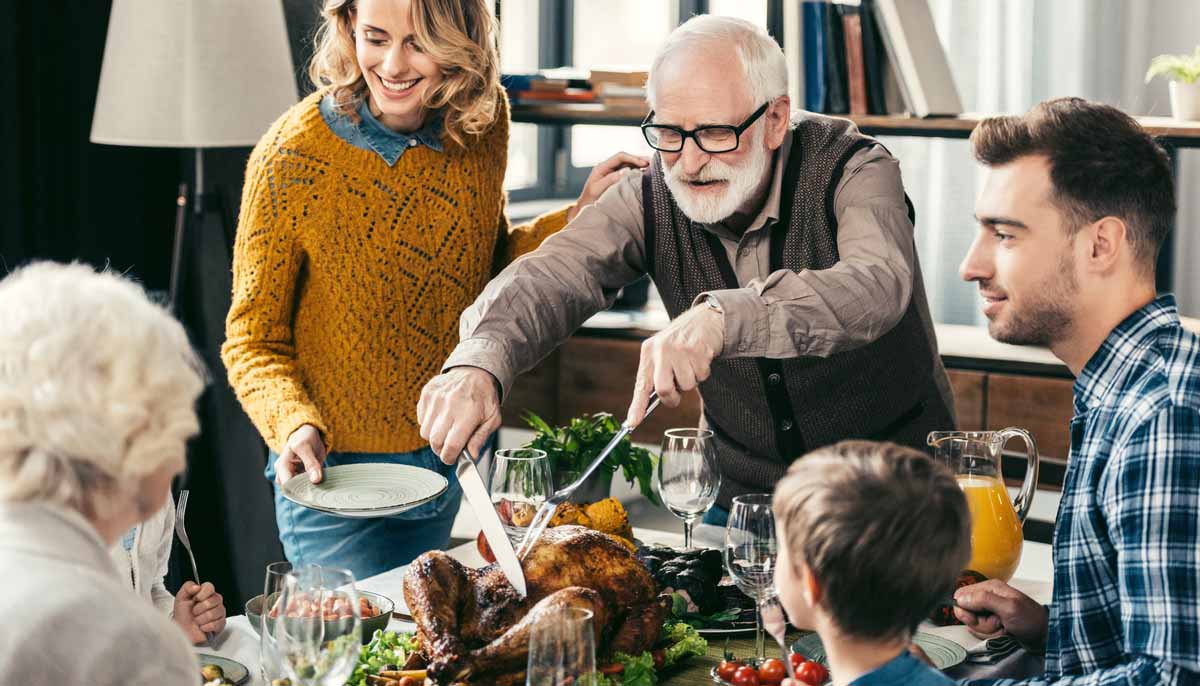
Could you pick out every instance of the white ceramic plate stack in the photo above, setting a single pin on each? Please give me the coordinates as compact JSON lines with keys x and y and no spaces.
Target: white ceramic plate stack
{"x":367,"y":490}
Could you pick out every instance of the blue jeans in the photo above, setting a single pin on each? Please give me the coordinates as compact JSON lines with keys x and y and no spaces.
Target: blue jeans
{"x":716,"y":516}
{"x":367,"y":546}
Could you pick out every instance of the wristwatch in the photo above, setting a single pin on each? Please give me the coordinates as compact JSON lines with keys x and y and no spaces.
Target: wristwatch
{"x":713,"y":304}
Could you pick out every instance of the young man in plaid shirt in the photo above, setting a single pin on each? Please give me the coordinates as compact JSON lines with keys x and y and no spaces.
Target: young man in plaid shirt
{"x":1077,"y":202}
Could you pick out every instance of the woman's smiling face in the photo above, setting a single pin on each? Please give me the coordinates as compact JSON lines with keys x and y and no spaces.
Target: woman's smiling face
{"x":397,"y":70}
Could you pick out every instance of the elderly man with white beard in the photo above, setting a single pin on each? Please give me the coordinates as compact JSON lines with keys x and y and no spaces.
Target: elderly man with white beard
{"x":782,"y":245}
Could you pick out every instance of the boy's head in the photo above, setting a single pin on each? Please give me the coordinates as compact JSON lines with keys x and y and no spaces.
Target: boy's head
{"x":1077,"y":200}
{"x":872,"y":535}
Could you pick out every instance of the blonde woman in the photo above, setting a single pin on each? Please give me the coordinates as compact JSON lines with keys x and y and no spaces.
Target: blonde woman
{"x":372,"y":215}
{"x":97,"y":388}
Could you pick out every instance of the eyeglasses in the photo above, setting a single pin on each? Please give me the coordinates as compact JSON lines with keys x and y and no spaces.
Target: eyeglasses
{"x":711,"y":139}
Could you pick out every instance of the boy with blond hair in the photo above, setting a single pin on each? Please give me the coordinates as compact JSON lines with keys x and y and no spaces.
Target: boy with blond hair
{"x":872,"y":536}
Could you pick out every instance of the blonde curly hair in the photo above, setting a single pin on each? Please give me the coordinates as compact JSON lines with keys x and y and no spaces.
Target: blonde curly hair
{"x":97,"y":387}
{"x":459,"y":35}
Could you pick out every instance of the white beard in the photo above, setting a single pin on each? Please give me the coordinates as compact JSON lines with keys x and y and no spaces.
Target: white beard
{"x":743,"y":182}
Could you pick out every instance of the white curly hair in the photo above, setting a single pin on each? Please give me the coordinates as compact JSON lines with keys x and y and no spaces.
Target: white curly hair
{"x":764,"y":67}
{"x":97,"y":387}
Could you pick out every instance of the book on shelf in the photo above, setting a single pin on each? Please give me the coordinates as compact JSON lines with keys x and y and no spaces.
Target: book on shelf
{"x":837,"y":97}
{"x":542,"y":97}
{"x":918,"y":57}
{"x":876,"y":68}
{"x":856,"y":77}
{"x":634,"y":77}
{"x":813,"y":15}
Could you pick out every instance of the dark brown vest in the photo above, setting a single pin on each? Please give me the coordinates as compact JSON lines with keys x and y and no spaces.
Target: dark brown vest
{"x":775,"y":410}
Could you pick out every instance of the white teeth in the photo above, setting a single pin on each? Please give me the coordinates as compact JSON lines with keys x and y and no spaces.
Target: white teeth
{"x":398,"y":85}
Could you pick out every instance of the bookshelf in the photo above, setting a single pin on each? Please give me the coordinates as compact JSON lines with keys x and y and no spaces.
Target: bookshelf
{"x":1173,"y":134}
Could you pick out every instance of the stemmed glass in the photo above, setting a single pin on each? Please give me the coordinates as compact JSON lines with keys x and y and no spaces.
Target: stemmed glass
{"x":319,"y":630}
{"x":750,"y":553}
{"x":562,"y":649}
{"x":520,"y":483}
{"x":687,"y":476}
{"x":268,"y":652}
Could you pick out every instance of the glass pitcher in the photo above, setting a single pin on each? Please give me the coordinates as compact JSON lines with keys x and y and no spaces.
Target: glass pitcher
{"x":996,"y":521}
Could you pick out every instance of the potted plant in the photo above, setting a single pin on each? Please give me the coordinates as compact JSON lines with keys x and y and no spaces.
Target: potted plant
{"x":1184,"y":73}
{"x":571,"y":448}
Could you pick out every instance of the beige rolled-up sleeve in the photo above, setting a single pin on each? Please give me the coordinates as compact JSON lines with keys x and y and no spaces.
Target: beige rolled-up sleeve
{"x":854,"y":302}
{"x":544,"y":296}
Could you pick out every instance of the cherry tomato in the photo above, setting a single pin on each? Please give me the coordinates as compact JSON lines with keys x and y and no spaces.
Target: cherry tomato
{"x":812,"y":673}
{"x":771,"y":671}
{"x":745,"y":676}
{"x":726,"y":669}
{"x":796,"y":659}
{"x":660,"y":657}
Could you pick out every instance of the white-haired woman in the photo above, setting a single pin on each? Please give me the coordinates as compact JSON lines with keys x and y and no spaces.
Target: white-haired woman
{"x":97,"y":387}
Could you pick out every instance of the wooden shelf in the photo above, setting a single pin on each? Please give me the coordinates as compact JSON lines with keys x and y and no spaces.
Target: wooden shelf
{"x":1180,"y":134}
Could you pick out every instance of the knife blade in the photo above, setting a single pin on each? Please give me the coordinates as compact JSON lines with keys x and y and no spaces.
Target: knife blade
{"x":481,"y":502}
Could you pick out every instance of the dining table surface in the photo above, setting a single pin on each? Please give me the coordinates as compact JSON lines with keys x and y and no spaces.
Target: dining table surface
{"x":239,"y":641}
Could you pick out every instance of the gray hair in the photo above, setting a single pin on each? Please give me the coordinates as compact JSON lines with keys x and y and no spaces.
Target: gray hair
{"x":97,"y":387}
{"x":764,"y":66}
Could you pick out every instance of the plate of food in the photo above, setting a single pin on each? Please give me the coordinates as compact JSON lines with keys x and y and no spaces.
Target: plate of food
{"x":221,"y":671}
{"x":374,"y":609}
{"x":942,"y":652}
{"x":702,"y":595}
{"x":366,"y":490}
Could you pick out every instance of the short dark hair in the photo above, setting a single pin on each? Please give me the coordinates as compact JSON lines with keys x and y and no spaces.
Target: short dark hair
{"x":884,"y":528}
{"x":1102,"y":164}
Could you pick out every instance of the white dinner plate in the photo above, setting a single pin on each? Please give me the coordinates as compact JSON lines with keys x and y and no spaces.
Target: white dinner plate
{"x":366,"y":490}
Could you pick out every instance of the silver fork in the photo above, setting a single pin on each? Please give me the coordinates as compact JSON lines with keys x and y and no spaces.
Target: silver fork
{"x":550,"y":505}
{"x":775,"y":624}
{"x":181,"y":532}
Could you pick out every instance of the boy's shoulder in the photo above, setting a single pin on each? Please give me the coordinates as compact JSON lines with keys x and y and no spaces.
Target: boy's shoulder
{"x":903,"y":670}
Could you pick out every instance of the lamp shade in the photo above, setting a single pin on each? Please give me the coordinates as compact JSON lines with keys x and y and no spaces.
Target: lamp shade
{"x":193,"y":73}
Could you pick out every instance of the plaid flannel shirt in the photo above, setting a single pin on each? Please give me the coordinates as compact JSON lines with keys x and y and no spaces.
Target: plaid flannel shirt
{"x":1126,"y":607}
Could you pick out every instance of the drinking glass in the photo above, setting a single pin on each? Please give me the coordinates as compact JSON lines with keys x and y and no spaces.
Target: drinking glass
{"x":268,"y":653}
{"x":562,"y":649}
{"x":319,"y":631}
{"x":688,"y":477}
{"x":750,"y":553}
{"x":520,"y":483}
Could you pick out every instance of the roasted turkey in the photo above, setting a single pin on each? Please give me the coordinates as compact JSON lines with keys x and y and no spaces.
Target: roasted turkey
{"x":473,"y":626}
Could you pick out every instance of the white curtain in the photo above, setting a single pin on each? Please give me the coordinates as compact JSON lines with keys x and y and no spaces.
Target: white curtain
{"x":1006,"y":56}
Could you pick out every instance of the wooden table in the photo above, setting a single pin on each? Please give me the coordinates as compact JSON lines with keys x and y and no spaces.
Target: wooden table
{"x":240,"y":642}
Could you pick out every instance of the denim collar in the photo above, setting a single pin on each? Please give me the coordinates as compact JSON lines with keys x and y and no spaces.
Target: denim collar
{"x":370,"y":134}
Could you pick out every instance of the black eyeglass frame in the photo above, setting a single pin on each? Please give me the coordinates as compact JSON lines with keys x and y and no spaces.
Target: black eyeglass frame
{"x":685,"y":134}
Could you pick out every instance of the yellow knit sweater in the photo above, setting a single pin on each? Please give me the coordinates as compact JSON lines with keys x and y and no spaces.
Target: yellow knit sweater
{"x":349,"y":276}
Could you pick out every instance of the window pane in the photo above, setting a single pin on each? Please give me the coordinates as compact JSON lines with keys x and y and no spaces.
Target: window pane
{"x":641,"y":25}
{"x":753,"y":11}
{"x":620,"y":32}
{"x":593,"y":144}
{"x":519,"y":54}
{"x":518,"y":35}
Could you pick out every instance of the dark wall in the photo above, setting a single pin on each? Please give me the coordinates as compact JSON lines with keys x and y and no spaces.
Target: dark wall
{"x":64,"y":198}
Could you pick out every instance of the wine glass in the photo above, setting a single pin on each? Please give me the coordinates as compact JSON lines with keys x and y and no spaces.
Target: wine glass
{"x":268,"y":653}
{"x":562,"y":649}
{"x":687,"y":477}
{"x":319,"y":630}
{"x":750,"y":553}
{"x":520,"y":483}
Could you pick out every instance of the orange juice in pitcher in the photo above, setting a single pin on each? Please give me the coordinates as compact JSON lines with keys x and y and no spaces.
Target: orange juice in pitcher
{"x":996,"y":522}
{"x":996,"y":534}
